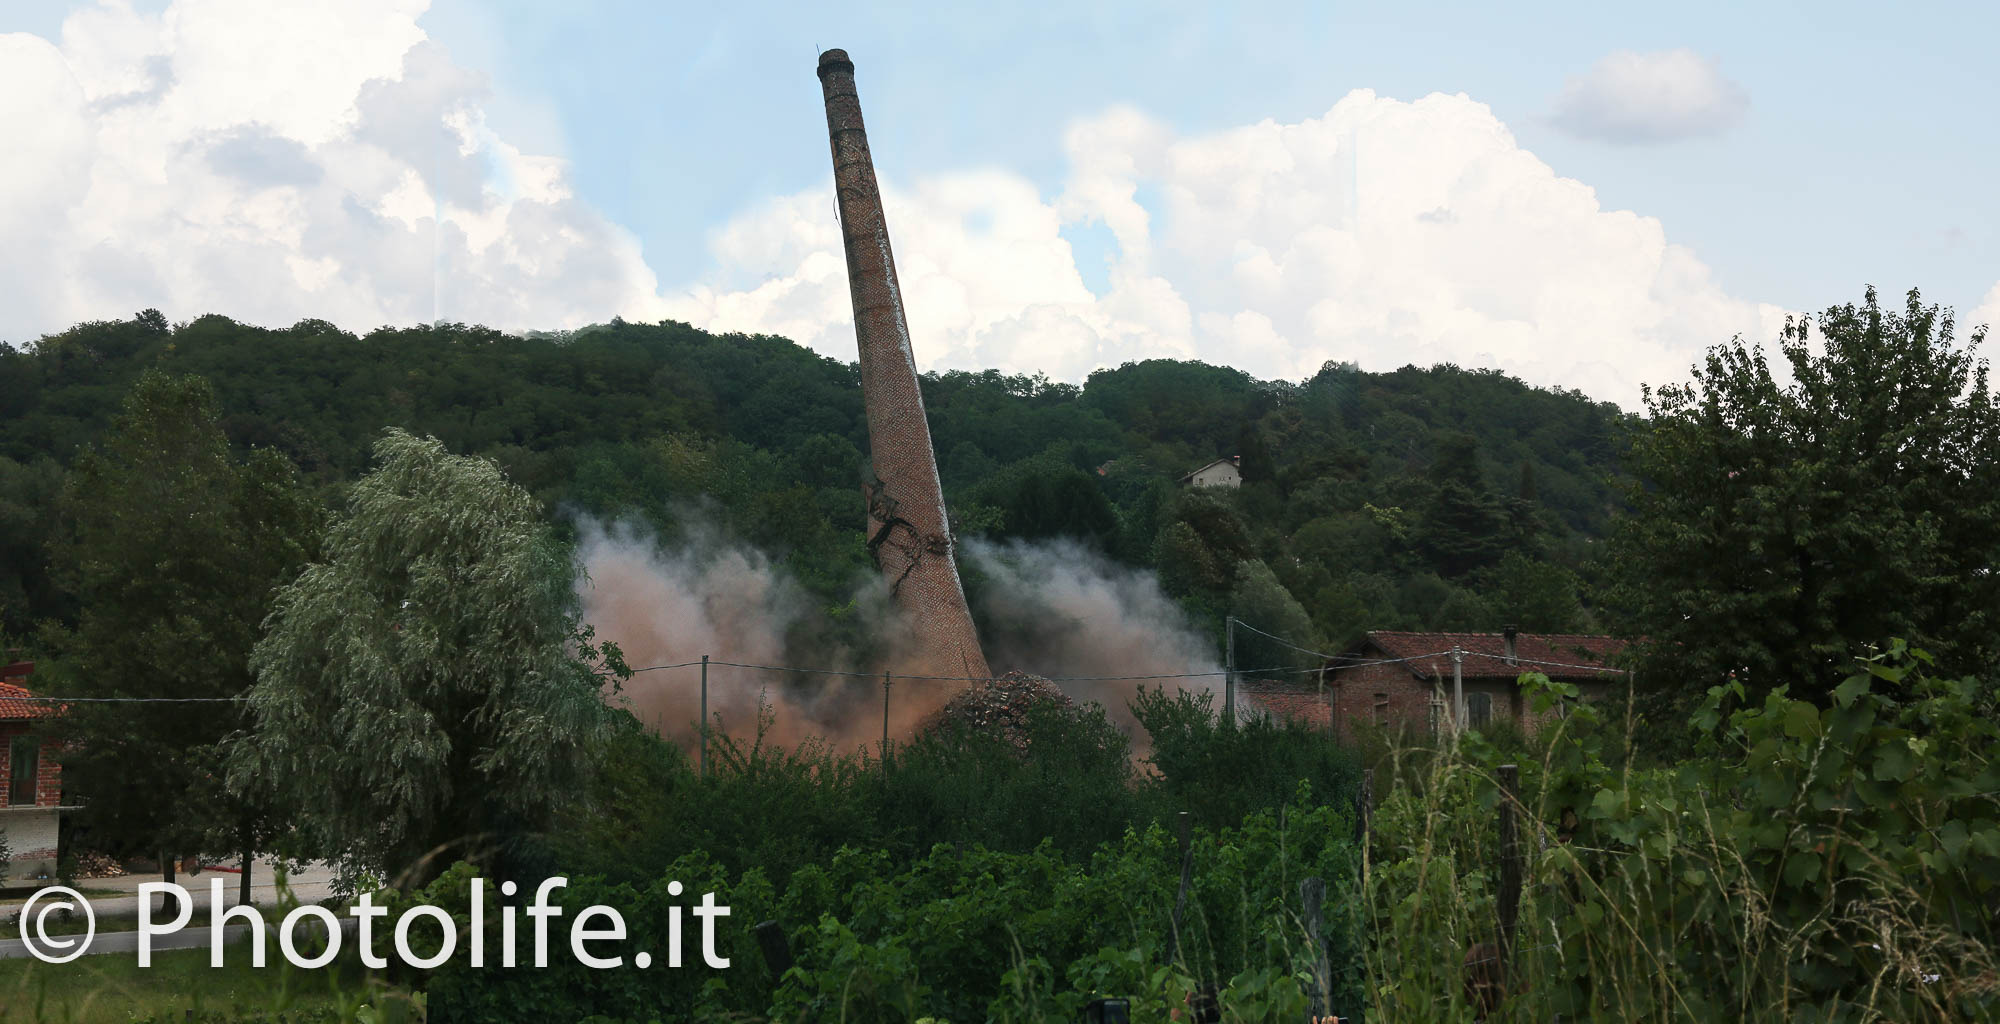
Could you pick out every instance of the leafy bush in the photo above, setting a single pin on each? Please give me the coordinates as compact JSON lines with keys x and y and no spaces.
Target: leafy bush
{"x":963,"y":933}
{"x":1076,"y":785}
{"x":1824,"y":862}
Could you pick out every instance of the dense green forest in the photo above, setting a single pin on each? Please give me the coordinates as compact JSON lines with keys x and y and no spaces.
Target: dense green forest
{"x":315,"y":530}
{"x":1421,"y":498}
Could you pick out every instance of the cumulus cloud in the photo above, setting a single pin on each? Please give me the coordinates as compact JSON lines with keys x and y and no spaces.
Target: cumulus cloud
{"x":1383,"y":233}
{"x":1629,"y":97}
{"x":1987,"y":315}
{"x":275,"y":162}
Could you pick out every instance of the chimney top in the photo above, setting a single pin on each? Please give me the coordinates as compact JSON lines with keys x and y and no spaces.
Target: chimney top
{"x":834,"y":60}
{"x":1508,"y":633}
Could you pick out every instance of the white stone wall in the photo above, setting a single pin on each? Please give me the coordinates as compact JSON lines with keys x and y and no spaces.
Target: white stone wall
{"x":1222,"y":474}
{"x":31,"y":839}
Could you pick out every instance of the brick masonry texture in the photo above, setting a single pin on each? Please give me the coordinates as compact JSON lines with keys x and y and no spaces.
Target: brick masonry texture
{"x":1401,"y":696}
{"x":48,"y":775}
{"x":907,"y":529}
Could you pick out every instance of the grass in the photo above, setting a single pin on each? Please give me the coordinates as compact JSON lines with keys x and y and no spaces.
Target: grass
{"x":1676,"y":920}
{"x":113,"y":988}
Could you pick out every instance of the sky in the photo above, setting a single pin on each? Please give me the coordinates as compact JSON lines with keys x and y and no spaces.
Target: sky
{"x":1579,"y":195}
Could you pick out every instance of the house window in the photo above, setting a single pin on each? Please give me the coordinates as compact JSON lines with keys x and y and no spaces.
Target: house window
{"x":1478,"y":710}
{"x":1381,"y":709}
{"x":26,"y":765}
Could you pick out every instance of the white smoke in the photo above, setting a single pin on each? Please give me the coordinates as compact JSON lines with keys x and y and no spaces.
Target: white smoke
{"x":1054,"y":609}
{"x":1062,"y":610}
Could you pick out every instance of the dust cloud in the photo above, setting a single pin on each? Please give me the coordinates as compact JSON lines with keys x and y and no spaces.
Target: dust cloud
{"x":1055,"y":609}
{"x":1061,"y":609}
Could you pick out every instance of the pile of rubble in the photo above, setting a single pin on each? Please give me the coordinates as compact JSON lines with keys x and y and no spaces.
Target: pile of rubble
{"x":89,"y":864}
{"x":1002,"y":705}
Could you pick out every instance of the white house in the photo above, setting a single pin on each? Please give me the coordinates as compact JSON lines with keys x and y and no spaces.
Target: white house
{"x":1220,"y":473}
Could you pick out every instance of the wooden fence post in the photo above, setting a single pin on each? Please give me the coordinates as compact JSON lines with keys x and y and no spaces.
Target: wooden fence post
{"x":1180,"y":900}
{"x":1312,"y":897}
{"x":1364,"y":808}
{"x":1510,"y":862}
{"x":777,"y":954}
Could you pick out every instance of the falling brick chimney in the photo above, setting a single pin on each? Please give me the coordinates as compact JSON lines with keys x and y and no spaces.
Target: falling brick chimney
{"x":907,"y":530}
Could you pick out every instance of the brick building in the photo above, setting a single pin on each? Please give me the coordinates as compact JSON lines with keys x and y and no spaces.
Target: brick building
{"x":1395,"y":679}
{"x":30,"y":778}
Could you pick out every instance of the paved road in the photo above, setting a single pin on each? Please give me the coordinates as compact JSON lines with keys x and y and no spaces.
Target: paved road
{"x":311,"y":885}
{"x":127,"y":942}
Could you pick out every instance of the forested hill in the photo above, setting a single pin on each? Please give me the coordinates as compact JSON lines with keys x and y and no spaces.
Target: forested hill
{"x":1421,"y":498}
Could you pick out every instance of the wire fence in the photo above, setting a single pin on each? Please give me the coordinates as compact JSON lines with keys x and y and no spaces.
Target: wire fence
{"x":1330,"y":663}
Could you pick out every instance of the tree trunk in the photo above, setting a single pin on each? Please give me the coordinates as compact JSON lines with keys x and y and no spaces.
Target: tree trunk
{"x":167,"y":874}
{"x":243,"y":885}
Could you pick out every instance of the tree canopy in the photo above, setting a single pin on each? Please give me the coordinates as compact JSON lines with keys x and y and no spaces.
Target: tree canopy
{"x":426,"y":692}
{"x":1376,"y":499}
{"x":172,"y":547}
{"x":1786,"y":519}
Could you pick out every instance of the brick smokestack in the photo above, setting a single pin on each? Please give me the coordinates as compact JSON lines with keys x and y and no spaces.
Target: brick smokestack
{"x":907,"y":531}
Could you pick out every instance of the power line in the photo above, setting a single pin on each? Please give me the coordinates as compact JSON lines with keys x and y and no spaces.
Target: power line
{"x":1240,"y":624}
{"x":851,"y":673}
{"x":122,"y":700}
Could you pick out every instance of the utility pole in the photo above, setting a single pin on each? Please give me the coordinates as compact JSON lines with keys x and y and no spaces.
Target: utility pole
{"x":704,"y":717}
{"x":885,"y":720}
{"x":1457,"y":690}
{"x":1229,"y":671}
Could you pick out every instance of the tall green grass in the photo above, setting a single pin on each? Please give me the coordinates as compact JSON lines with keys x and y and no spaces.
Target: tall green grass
{"x":1824,"y":863}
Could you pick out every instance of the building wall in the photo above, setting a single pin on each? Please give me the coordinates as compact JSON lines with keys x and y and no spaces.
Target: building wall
{"x":31,"y":839}
{"x":1390,"y":695}
{"x":1288,"y":700}
{"x":1384,"y":696}
{"x":1222,"y":474}
{"x":48,"y":784}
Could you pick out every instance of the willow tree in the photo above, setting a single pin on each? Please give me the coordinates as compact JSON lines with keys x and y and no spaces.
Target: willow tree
{"x":427,"y":692}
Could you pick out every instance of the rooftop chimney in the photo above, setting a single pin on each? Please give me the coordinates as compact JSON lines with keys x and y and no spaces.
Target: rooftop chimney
{"x":1507,"y":634}
{"x":907,"y":531}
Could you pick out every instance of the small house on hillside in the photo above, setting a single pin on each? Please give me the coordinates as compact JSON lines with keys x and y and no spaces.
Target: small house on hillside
{"x":30,"y":778}
{"x":1393,"y":679}
{"x":1220,"y":473}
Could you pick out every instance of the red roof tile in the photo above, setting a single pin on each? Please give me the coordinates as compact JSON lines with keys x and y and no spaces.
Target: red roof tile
{"x":12,"y":704}
{"x":1556,"y":655}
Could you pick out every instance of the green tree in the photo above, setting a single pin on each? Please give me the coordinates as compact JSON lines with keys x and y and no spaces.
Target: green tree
{"x":29,"y":496}
{"x":1464,"y":527}
{"x":1262,"y":602}
{"x":1540,"y":597}
{"x":1043,"y":498}
{"x":1253,"y":456}
{"x":428,"y":691}
{"x":1779,"y":524}
{"x":174,"y":549}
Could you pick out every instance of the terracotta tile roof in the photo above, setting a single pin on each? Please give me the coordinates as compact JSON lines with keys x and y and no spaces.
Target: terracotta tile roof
{"x":1556,"y":655}
{"x":12,"y":704}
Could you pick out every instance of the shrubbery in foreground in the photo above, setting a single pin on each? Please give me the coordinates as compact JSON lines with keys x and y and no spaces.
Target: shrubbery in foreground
{"x":963,"y":934}
{"x":1836,"y":862}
